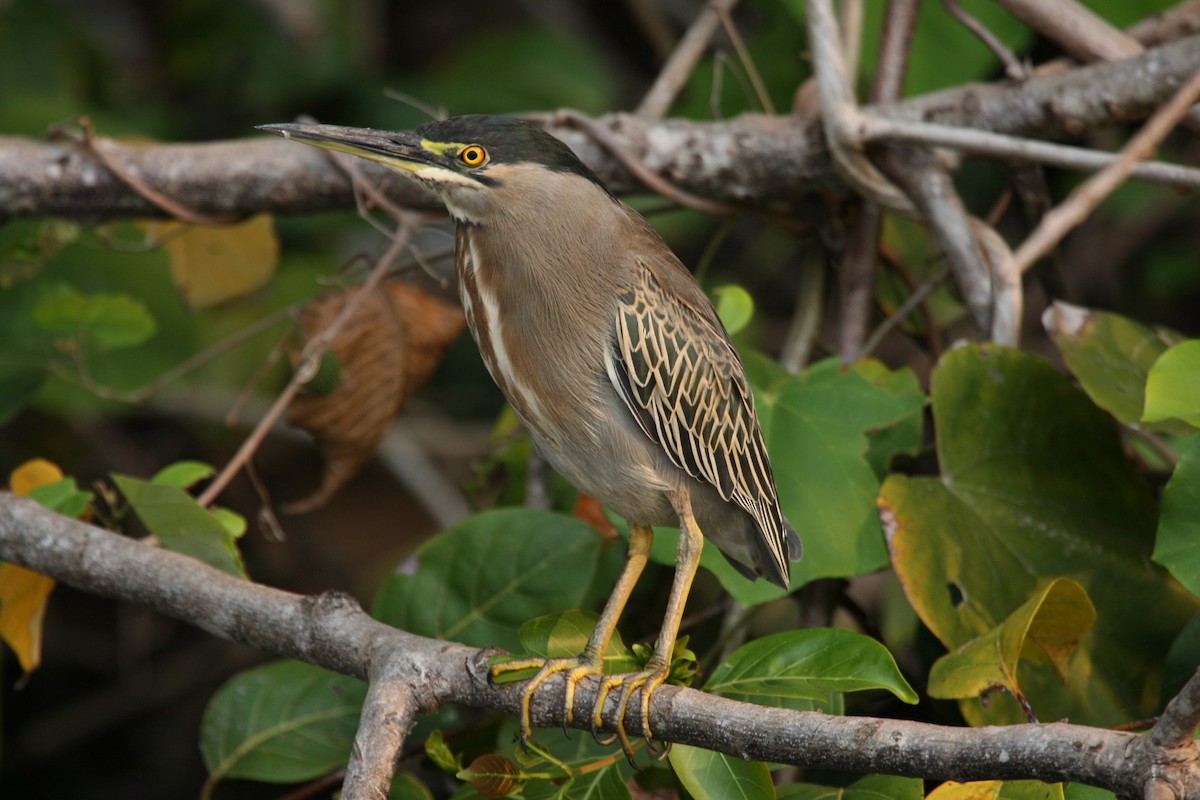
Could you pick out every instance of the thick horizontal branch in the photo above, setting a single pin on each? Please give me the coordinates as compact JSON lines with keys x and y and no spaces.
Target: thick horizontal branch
{"x":759,"y":163}
{"x":332,"y":632}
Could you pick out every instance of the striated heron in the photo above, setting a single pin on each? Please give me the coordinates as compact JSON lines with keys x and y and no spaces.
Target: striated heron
{"x":611,"y":355}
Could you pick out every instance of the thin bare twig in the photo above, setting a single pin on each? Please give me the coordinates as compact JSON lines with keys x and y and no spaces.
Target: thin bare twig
{"x":806,"y":320}
{"x":1077,"y":29}
{"x":96,"y":147}
{"x":1058,"y":221}
{"x":929,"y":185}
{"x":851,"y":26}
{"x":643,"y":173}
{"x":873,"y":128}
{"x":915,"y":299}
{"x":1014,"y":69}
{"x":856,"y":277}
{"x":856,"y":280}
{"x":679,"y":66}
{"x":739,"y":47}
{"x":194,"y":362}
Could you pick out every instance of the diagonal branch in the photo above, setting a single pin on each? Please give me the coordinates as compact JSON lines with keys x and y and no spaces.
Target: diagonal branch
{"x":331,"y":631}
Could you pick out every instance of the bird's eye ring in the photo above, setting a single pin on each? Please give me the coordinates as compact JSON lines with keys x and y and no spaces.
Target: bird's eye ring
{"x":472,"y":155}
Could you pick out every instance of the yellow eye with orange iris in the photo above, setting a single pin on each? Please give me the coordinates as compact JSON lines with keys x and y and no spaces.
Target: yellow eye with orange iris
{"x":473,"y":155}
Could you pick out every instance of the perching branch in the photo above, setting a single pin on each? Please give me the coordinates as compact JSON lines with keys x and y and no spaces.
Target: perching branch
{"x":774,"y":165}
{"x":418,"y":675}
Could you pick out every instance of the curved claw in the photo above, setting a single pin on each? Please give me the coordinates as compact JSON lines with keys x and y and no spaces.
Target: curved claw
{"x":576,"y":669}
{"x":647,"y":680}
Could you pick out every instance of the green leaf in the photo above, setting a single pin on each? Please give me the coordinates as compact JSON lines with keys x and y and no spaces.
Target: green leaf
{"x":807,"y":664}
{"x":607,"y":783}
{"x":233,"y":522}
{"x":181,"y":524}
{"x":1049,"y":626}
{"x":406,"y":787}
{"x":715,"y":776}
{"x":281,"y":723}
{"x":1111,"y":355}
{"x":1035,"y":485}
{"x":567,"y":764}
{"x":1182,"y":659}
{"x":439,"y":753}
{"x":564,"y":634}
{"x":107,"y":321}
{"x":183,"y":474}
{"x":64,"y":496}
{"x":819,"y":428}
{"x":20,"y":380}
{"x":1079,"y":791}
{"x":735,"y":307}
{"x":872,"y":787}
{"x":1179,"y":521}
{"x":480,"y":581}
{"x":1173,"y":386}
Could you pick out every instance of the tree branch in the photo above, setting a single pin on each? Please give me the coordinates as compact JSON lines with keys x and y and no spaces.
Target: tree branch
{"x":758,"y":163}
{"x":420,"y":674}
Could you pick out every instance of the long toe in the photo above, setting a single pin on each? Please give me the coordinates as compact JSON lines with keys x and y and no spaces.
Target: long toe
{"x":575,"y":668}
{"x":647,"y":680}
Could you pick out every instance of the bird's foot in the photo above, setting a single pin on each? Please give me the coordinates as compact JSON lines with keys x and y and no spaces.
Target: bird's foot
{"x":576,"y":669}
{"x":654,"y":675}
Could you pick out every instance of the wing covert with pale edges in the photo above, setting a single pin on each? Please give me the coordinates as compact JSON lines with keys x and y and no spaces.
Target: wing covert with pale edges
{"x":680,"y":377}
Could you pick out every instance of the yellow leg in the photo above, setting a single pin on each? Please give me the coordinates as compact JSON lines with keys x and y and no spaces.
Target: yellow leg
{"x":591,"y":661}
{"x":691,"y":543}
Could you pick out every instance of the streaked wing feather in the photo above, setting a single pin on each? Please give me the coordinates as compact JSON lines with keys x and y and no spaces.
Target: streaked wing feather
{"x":680,"y":377}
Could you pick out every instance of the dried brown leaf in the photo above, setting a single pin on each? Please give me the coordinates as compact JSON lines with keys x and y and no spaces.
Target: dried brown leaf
{"x":387,"y":351}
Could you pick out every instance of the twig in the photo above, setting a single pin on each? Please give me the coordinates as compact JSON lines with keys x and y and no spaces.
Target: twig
{"x":679,"y":66}
{"x":1174,"y":23}
{"x":1080,"y":31}
{"x":309,"y":361}
{"x":806,"y":319}
{"x":931,"y":189}
{"x":873,"y":128}
{"x":643,"y":173}
{"x":148,"y":390}
{"x":1181,"y":717}
{"x":856,"y":277}
{"x":856,"y":280}
{"x":95,"y":147}
{"x":1058,"y":221}
{"x":1013,"y":68}
{"x":900,"y":21}
{"x":739,"y":47}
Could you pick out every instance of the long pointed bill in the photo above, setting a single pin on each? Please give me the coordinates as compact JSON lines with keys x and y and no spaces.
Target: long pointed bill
{"x":401,"y":150}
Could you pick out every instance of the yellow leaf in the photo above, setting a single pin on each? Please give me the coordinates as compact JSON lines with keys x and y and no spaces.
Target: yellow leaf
{"x":214,"y":263}
{"x":23,"y":597}
{"x":975,"y":790}
{"x":33,"y":473}
{"x":1048,"y":628}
